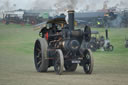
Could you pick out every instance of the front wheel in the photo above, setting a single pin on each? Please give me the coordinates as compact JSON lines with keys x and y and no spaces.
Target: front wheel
{"x":88,"y":62}
{"x":59,"y":62}
{"x":109,"y":48}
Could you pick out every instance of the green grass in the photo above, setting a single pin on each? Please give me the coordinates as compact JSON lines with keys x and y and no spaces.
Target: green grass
{"x":17,"y":38}
{"x":17,"y":66}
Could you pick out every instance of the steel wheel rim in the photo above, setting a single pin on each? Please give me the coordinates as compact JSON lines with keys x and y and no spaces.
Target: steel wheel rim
{"x":38,"y":55}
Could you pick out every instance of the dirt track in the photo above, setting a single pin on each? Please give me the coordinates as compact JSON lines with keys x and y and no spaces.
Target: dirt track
{"x":19,"y":73}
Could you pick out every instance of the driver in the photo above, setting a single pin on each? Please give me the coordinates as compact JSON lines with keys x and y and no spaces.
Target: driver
{"x":53,"y":29}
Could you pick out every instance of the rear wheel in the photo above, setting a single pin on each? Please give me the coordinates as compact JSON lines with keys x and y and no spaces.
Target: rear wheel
{"x":59,"y":62}
{"x":40,"y":55}
{"x":126,"y":45}
{"x":88,"y":62}
{"x":110,"y":48}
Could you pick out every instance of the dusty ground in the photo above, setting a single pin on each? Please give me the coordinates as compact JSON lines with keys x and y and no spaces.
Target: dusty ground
{"x":17,"y":66}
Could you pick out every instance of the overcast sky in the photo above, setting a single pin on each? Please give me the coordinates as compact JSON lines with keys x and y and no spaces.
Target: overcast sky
{"x":27,"y":4}
{"x":22,"y":3}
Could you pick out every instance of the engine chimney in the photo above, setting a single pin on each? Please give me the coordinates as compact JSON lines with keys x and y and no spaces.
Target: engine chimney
{"x":71,"y":19}
{"x":106,"y":32}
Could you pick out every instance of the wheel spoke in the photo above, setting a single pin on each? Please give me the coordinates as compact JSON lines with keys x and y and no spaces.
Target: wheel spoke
{"x":38,"y":49}
{"x":57,"y":64}
{"x":87,"y":67}
{"x":38,"y":45}
{"x":39,"y":63}
{"x":87,"y":59}
{"x":39,"y":59}
{"x":39,"y":54}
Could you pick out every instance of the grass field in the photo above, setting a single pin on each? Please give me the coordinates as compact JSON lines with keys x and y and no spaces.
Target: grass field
{"x":17,"y":66}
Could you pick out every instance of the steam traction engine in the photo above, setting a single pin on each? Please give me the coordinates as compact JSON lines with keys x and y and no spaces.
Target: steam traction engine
{"x":62,"y":46}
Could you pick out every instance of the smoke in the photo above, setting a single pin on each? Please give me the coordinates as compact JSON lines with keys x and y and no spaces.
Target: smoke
{"x":5,"y":5}
{"x":121,"y":4}
{"x":43,"y":4}
{"x":66,"y":4}
{"x":62,"y":5}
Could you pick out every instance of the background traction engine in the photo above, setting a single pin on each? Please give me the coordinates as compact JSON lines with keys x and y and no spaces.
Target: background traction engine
{"x":63,"y":48}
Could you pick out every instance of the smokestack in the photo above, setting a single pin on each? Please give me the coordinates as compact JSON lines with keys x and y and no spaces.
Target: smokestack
{"x":106,"y":32}
{"x":71,"y":19}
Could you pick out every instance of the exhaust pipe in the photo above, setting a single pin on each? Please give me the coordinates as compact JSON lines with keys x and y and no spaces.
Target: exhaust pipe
{"x":106,"y":32}
{"x":71,"y":19}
